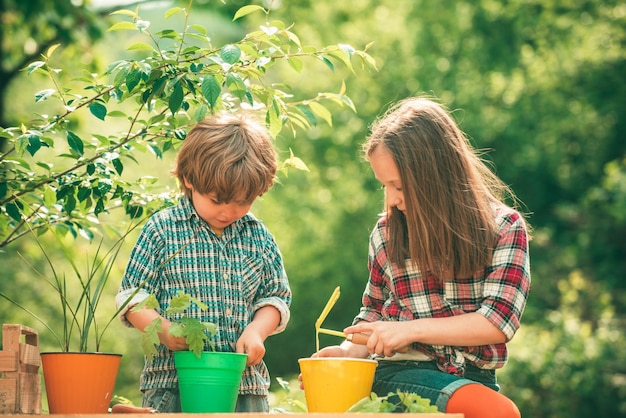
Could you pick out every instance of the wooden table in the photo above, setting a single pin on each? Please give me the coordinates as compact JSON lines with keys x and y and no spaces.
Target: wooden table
{"x":248,"y":415}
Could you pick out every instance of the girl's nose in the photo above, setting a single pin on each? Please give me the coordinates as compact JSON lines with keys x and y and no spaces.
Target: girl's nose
{"x":394,"y":199}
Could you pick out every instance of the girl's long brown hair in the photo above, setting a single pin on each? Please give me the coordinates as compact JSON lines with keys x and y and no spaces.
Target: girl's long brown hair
{"x":449,"y":229}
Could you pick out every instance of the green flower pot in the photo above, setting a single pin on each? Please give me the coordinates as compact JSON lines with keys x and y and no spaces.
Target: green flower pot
{"x":209,"y":383}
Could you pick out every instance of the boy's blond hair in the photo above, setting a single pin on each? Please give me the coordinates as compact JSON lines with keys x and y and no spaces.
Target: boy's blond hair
{"x":229,"y":155}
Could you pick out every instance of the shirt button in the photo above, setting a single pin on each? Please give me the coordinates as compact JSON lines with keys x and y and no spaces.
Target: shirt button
{"x":225,"y":275}
{"x":228,"y":311}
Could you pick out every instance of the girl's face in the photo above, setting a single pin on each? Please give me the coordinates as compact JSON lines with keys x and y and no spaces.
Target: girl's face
{"x":217,"y":215}
{"x":386,"y":171}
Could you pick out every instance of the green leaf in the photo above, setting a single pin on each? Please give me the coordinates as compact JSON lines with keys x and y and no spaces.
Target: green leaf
{"x":306,"y":111}
{"x":132,"y":79}
{"x":34,"y":66}
{"x":179,"y":303}
{"x":98,"y":110}
{"x":230,"y":53}
{"x":22,"y":163}
{"x":326,"y":61}
{"x":321,"y":112}
{"x":176,"y":98}
{"x":194,"y":334}
{"x":122,"y":26}
{"x":119,"y":167}
{"x":34,"y":144}
{"x":99,"y":208}
{"x":69,"y":203}
{"x":103,"y":187}
{"x":236,"y":86}
{"x":174,"y":10}
{"x":342,"y":57}
{"x":211,"y":90}
{"x":125,"y":12}
{"x":200,"y":29}
{"x":13,"y":211}
{"x":150,"y":338}
{"x":295,"y":162}
{"x":83,"y":193}
{"x":348,"y":49}
{"x":200,"y":113}
{"x":51,"y":50}
{"x":75,"y":142}
{"x":44,"y":95}
{"x":273,"y":120}
{"x":246,"y":10}
{"x":140,"y":46}
{"x":295,"y":63}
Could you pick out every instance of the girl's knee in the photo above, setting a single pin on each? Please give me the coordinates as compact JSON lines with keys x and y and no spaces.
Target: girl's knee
{"x":478,"y":401}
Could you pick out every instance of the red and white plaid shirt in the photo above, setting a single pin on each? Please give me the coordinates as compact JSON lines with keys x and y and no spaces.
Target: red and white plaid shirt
{"x":498,"y":292}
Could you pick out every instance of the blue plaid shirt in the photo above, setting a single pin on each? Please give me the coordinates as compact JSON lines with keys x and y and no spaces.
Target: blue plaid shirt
{"x":235,"y":274}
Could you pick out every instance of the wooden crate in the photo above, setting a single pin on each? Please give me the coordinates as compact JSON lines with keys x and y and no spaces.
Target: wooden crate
{"x":20,"y":382}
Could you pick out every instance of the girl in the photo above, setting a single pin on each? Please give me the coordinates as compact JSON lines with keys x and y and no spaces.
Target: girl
{"x":449,"y":267}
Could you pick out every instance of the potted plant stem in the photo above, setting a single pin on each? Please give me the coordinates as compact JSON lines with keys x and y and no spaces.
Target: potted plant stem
{"x":208,"y":380}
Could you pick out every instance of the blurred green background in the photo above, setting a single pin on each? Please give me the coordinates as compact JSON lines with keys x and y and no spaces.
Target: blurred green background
{"x":539,"y":85}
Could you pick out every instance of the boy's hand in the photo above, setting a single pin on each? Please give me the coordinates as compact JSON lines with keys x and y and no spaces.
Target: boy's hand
{"x":173,"y":343}
{"x":251,"y":343}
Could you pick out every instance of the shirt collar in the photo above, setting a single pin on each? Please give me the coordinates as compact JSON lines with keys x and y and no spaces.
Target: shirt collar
{"x":185,"y":212}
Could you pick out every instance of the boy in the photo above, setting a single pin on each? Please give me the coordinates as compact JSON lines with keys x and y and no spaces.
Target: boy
{"x":227,"y":258}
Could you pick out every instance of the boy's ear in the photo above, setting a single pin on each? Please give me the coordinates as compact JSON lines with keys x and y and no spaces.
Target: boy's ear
{"x":187,"y":183}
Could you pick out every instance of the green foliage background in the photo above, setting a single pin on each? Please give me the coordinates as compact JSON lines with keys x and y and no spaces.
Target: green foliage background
{"x":538,"y":84}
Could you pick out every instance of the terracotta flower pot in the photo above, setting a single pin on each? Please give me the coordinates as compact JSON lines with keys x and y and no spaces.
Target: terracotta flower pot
{"x":79,"y":383}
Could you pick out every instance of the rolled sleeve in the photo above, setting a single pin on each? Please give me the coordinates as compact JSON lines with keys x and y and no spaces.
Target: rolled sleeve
{"x":128,"y":299}
{"x":281,"y":305}
{"x":507,"y":284}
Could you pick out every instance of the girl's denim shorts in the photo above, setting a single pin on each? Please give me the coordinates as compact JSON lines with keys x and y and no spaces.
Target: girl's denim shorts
{"x":425,"y":379}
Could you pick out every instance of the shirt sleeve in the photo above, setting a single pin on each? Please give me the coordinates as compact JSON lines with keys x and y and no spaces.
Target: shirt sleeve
{"x":507,"y":282}
{"x":275,"y":290}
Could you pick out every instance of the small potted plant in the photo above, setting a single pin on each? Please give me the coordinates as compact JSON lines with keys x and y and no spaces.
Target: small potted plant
{"x":208,"y":380}
{"x":79,"y":377}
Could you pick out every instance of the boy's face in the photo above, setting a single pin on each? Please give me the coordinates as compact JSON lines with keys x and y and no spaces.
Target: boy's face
{"x":217,"y":215}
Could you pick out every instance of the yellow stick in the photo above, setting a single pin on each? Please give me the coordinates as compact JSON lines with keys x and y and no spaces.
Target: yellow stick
{"x":329,"y":305}
{"x":332,"y":332}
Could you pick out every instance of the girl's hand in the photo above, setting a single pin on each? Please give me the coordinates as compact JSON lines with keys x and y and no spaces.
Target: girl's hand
{"x":251,"y":343}
{"x":385,"y":337}
{"x":331,"y":351}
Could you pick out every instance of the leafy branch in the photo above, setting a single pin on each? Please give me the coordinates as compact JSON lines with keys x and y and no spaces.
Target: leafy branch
{"x":181,"y":79}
